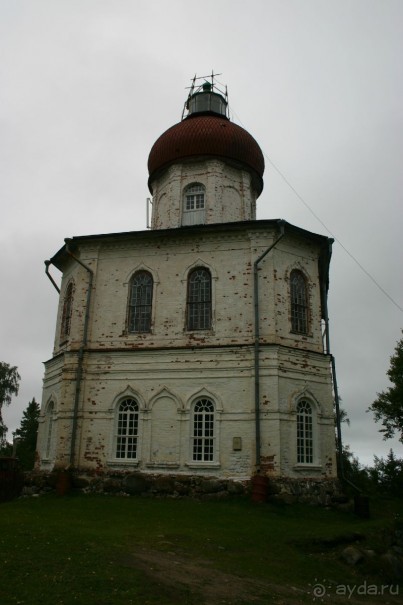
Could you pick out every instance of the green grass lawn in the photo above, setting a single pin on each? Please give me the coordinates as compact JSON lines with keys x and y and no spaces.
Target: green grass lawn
{"x":105,"y":550}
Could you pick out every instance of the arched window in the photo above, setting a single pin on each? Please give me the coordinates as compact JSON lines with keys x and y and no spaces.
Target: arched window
{"x":48,"y":429}
{"x":127,"y":426}
{"x":194,"y":204}
{"x":304,"y":433}
{"x":203,"y":431}
{"x":299,"y":302}
{"x":67,"y":311}
{"x":199,"y":300}
{"x":140,"y":302}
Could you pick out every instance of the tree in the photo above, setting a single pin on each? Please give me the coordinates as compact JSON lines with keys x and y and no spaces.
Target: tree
{"x":388,"y":407}
{"x":27,"y":434}
{"x":9,"y":383}
{"x":387,"y":475}
{"x":6,"y":449}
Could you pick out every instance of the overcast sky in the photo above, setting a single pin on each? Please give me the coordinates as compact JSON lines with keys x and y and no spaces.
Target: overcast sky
{"x":87,"y":86}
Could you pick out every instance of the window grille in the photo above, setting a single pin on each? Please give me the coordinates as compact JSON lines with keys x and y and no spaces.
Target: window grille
{"x":127,"y":429}
{"x":67,"y":311}
{"x":304,"y":433}
{"x":203,"y":431}
{"x":299,"y":304}
{"x":140,"y":302}
{"x":199,"y":300}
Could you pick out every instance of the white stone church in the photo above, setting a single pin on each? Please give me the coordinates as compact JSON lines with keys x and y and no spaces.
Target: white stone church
{"x":195,"y":347}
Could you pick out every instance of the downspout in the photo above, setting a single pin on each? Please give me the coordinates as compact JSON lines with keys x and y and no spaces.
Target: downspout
{"x":47,"y":263}
{"x":340,"y":465}
{"x":80,"y":358}
{"x":257,"y":338}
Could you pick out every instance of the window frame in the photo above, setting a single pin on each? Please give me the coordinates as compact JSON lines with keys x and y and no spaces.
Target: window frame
{"x":299,"y":303}
{"x":48,"y":432}
{"x":126,"y":419}
{"x":194,"y":204}
{"x":67,"y":311}
{"x":199,"y":307}
{"x":139,"y":312}
{"x":195,"y":196}
{"x":203,"y":432}
{"x":305,"y":433}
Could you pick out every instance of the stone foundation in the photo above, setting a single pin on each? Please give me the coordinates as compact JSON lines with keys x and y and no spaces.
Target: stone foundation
{"x":286,"y":491}
{"x":305,"y":491}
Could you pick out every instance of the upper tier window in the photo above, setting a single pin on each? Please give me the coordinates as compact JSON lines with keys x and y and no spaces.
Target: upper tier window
{"x":199,"y":300}
{"x":299,"y":302}
{"x":140,"y":302}
{"x":67,"y":311}
{"x":194,"y":204}
{"x":195,"y":197}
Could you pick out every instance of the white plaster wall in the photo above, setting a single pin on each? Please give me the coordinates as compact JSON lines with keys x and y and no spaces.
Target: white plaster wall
{"x":229,"y":197}
{"x":58,"y":387}
{"x":229,"y":256}
{"x":168,"y":367}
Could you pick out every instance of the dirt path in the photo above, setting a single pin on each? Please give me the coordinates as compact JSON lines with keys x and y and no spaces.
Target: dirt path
{"x":213,"y":587}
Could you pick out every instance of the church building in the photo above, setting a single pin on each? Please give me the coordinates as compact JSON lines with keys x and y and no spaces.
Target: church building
{"x":193,"y":348}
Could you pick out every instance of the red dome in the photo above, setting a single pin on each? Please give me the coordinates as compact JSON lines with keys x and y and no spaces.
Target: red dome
{"x":206,"y":135}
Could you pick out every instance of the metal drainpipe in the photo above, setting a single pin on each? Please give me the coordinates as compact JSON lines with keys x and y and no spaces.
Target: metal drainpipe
{"x":257,"y":338}
{"x":79,"y":373}
{"x":339,"y":440}
{"x":47,"y":263}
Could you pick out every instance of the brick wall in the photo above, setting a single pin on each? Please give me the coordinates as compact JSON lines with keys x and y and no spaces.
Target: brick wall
{"x":167,"y":369}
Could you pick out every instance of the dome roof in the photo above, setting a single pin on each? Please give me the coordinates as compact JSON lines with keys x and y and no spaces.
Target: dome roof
{"x":206,"y":135}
